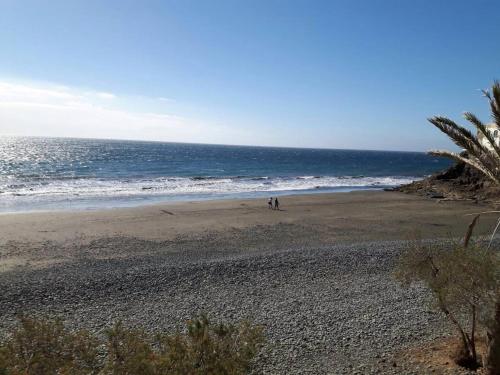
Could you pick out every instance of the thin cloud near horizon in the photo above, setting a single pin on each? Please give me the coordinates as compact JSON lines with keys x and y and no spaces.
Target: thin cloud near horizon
{"x":59,"y":110}
{"x":33,"y":109}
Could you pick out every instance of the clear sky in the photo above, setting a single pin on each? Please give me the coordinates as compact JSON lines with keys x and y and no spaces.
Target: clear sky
{"x":337,"y":74}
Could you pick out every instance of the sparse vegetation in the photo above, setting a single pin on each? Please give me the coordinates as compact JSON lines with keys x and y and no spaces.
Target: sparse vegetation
{"x":464,"y":281}
{"x":37,"y":347}
{"x":485,"y":157}
{"x":47,"y":347}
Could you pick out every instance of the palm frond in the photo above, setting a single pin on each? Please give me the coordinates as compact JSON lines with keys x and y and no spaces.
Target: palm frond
{"x":479,"y":155}
{"x":459,"y":135}
{"x":475,"y":163}
{"x":482,"y":129}
{"x":493,"y":97}
{"x":470,"y":229}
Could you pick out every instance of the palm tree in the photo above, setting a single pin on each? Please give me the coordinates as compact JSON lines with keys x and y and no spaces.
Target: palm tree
{"x":483,"y":156}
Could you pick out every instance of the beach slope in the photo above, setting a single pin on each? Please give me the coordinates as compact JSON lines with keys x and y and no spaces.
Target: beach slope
{"x":316,"y":275}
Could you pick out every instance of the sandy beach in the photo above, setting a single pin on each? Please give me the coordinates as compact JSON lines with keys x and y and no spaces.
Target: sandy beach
{"x":327,"y":218}
{"x":316,"y":275}
{"x":316,"y":219}
{"x":144,"y":144}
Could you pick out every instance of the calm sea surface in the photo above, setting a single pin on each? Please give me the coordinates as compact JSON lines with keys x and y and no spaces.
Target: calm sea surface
{"x":53,"y":174}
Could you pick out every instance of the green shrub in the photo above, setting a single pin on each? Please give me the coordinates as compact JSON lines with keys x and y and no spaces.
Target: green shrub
{"x":129,"y":352}
{"x":40,"y":346}
{"x":210,"y":349}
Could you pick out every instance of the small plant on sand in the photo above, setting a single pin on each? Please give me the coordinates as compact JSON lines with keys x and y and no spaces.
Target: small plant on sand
{"x":463,"y":280}
{"x":47,"y":347}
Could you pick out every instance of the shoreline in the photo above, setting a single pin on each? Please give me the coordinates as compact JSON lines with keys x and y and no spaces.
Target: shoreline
{"x":162,"y":201}
{"x":379,"y":215}
{"x":76,"y":203}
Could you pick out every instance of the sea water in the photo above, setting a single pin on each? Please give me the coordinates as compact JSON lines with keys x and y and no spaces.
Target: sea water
{"x":56,"y":173}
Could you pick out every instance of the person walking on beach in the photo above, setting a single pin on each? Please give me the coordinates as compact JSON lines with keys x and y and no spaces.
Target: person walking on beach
{"x":276,"y":204}
{"x":270,"y":203}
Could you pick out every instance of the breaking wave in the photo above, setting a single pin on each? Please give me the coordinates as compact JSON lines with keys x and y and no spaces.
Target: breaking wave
{"x":53,"y":173}
{"x":200,"y":185}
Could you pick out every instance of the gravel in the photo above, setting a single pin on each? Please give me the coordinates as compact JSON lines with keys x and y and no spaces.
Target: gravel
{"x":329,"y":309}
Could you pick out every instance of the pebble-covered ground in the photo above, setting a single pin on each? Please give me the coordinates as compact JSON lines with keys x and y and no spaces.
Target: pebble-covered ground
{"x":326,"y":309}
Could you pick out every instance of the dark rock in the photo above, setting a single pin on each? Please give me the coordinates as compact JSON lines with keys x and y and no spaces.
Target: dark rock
{"x":460,"y":182}
{"x":437,"y":196}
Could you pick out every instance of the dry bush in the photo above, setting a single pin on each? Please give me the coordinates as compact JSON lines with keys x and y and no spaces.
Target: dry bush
{"x":210,"y":349}
{"x":47,"y":347}
{"x":129,"y":352}
{"x":41,"y":347}
{"x":463,"y":282}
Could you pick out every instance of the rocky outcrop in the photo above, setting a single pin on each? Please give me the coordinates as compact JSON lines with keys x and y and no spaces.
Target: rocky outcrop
{"x":460,"y":182}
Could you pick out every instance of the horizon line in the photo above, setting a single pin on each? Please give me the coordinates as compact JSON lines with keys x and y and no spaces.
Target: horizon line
{"x":208,"y":144}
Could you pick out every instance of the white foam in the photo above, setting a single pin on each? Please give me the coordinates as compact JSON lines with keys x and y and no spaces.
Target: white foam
{"x":172,"y":186}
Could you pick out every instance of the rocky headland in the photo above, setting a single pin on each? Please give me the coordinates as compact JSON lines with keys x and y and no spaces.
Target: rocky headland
{"x":459,"y":182}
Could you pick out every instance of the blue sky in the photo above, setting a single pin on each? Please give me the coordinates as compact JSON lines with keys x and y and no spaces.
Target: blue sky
{"x":337,"y":74}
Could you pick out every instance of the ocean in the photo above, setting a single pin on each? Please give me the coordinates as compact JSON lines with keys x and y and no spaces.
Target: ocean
{"x":59,"y":174}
